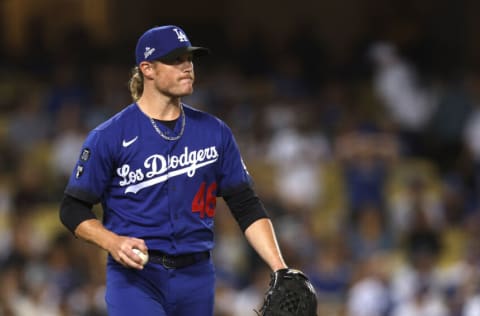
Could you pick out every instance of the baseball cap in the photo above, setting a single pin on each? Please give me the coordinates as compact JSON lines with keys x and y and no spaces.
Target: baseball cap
{"x":165,"y":43}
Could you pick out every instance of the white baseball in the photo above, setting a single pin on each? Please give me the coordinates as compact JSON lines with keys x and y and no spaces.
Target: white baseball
{"x":142,"y":255}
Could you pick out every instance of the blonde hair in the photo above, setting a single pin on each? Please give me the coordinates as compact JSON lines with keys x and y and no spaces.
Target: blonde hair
{"x":135,"y":84}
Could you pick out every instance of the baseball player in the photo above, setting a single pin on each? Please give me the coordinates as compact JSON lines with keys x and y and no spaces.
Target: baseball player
{"x":157,"y":168}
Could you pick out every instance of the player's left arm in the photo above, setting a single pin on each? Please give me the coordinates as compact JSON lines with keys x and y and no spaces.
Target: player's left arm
{"x":247,"y":209}
{"x":251,"y":215}
{"x":261,"y":235}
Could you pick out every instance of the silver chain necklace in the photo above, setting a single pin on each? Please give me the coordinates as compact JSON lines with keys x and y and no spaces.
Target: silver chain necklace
{"x":166,"y":136}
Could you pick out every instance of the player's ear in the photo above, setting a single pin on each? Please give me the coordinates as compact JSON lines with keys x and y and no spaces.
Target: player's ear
{"x":147,"y":69}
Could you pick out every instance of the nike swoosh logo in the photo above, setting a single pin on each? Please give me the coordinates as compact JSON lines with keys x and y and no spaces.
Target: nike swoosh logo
{"x":128,"y":143}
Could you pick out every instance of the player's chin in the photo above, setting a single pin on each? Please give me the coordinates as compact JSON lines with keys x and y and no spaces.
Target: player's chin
{"x":185,"y":90}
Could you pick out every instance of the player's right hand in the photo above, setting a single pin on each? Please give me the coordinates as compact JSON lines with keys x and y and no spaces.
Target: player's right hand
{"x":122,"y":251}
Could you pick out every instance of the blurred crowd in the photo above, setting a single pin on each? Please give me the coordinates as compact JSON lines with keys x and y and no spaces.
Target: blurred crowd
{"x":369,"y":170}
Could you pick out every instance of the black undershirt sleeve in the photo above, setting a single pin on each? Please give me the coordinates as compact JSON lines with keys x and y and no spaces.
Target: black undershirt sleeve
{"x":74,"y":211}
{"x":246,"y":207}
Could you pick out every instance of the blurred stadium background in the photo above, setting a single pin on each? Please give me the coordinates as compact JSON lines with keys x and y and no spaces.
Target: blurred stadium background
{"x":359,"y":120}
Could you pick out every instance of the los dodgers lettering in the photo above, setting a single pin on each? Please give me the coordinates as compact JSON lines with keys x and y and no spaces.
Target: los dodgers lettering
{"x":158,"y":168}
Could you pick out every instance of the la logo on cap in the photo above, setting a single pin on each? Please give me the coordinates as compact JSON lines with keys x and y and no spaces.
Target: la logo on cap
{"x":182,"y":37}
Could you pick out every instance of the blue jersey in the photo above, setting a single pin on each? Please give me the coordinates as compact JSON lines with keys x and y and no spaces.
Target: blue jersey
{"x":160,"y":190}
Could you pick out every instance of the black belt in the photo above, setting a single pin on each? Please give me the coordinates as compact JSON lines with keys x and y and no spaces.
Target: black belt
{"x":175,"y":262}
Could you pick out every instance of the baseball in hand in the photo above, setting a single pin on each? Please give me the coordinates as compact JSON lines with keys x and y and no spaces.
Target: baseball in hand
{"x":142,"y":255}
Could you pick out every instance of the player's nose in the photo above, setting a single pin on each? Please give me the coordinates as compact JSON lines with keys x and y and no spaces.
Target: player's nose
{"x":187,"y":66}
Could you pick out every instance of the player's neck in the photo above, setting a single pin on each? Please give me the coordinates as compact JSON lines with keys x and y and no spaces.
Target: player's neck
{"x":160,"y":109}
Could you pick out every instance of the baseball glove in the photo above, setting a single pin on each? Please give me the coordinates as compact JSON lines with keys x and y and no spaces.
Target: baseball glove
{"x":290,"y":293}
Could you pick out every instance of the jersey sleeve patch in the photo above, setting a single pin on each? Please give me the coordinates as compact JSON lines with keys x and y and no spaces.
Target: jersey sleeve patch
{"x":85,"y":155}
{"x":79,"y":171}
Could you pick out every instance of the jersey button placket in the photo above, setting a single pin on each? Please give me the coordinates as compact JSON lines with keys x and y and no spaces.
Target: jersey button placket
{"x":169,"y":210}
{"x":173,"y":216}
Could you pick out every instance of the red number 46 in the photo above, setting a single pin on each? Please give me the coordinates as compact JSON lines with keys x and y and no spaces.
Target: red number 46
{"x":205,"y":202}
